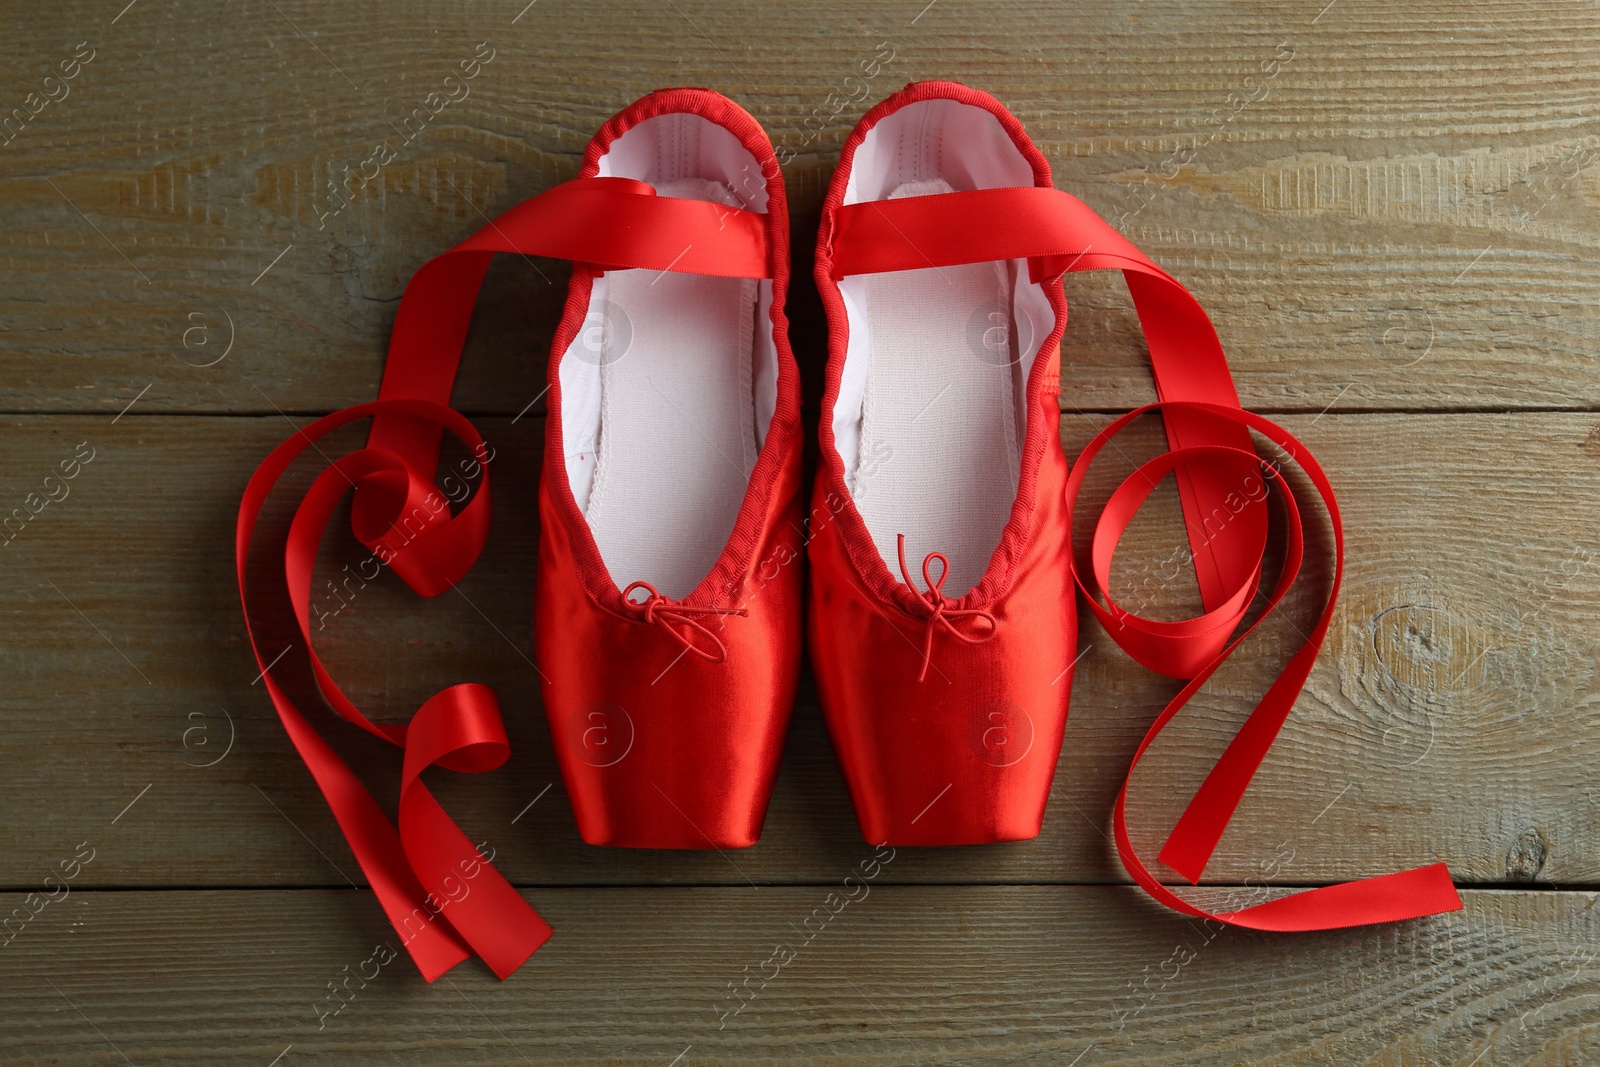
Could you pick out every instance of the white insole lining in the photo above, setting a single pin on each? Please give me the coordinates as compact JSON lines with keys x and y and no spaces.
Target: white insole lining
{"x":677,"y":419}
{"x":932,"y":401}
{"x":940,"y":445}
{"x":668,"y":388}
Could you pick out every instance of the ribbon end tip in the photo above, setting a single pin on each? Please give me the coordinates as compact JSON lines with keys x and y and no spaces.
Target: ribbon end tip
{"x":1188,"y":867}
{"x":506,"y":967}
{"x":433,"y":972}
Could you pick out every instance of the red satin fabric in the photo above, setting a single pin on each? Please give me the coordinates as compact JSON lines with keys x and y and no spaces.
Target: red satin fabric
{"x":659,"y":747}
{"x":1211,"y":454}
{"x":1058,"y":233}
{"x":967,"y":754}
{"x":972,"y":625}
{"x":442,"y":897}
{"x":445,"y":901}
{"x":668,"y":717}
{"x":1174,"y":647}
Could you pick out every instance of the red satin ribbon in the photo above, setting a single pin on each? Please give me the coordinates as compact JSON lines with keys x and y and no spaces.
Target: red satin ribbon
{"x":1059,"y":233}
{"x":1173,"y":648}
{"x":1211,"y":453}
{"x":443,"y":898}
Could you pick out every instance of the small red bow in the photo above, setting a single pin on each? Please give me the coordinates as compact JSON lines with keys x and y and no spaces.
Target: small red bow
{"x":938,"y":615}
{"x":664,"y":610}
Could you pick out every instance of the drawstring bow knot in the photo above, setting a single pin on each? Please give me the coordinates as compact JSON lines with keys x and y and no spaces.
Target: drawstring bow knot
{"x":938,"y":615}
{"x":678,"y":620}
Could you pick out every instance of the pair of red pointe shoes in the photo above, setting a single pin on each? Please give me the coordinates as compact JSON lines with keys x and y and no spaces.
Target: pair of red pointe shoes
{"x":674,"y":523}
{"x":942,"y":594}
{"x":942,"y":616}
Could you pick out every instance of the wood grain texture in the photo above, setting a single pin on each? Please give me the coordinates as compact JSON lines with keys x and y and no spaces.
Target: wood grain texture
{"x":1463,"y":657}
{"x":1372,"y":218}
{"x":903,"y":975}
{"x":1388,"y":209}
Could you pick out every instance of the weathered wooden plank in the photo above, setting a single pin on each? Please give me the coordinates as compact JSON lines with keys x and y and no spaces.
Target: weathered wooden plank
{"x":1452,"y":715}
{"x":1004,"y":975}
{"x":1398,"y":215}
{"x":1373,"y":222}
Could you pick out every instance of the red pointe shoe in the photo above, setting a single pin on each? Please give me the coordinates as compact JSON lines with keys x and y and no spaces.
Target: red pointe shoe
{"x":668,"y":600}
{"x":942,"y":613}
{"x":675,"y":420}
{"x":940,"y":259}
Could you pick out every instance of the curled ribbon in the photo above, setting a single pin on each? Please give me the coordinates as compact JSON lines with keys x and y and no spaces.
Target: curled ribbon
{"x":661,"y":610}
{"x":934,"y":600}
{"x":443,"y":898}
{"x":1193,"y":649}
{"x":1212,"y":452}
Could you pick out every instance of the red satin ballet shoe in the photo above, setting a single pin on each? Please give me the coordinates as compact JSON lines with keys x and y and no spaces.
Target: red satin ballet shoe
{"x":668,"y":600}
{"x":675,"y":415}
{"x":940,"y":260}
{"x":942,"y":614}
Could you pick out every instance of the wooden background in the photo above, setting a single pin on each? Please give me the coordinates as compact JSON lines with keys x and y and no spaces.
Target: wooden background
{"x":1390,"y":211}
